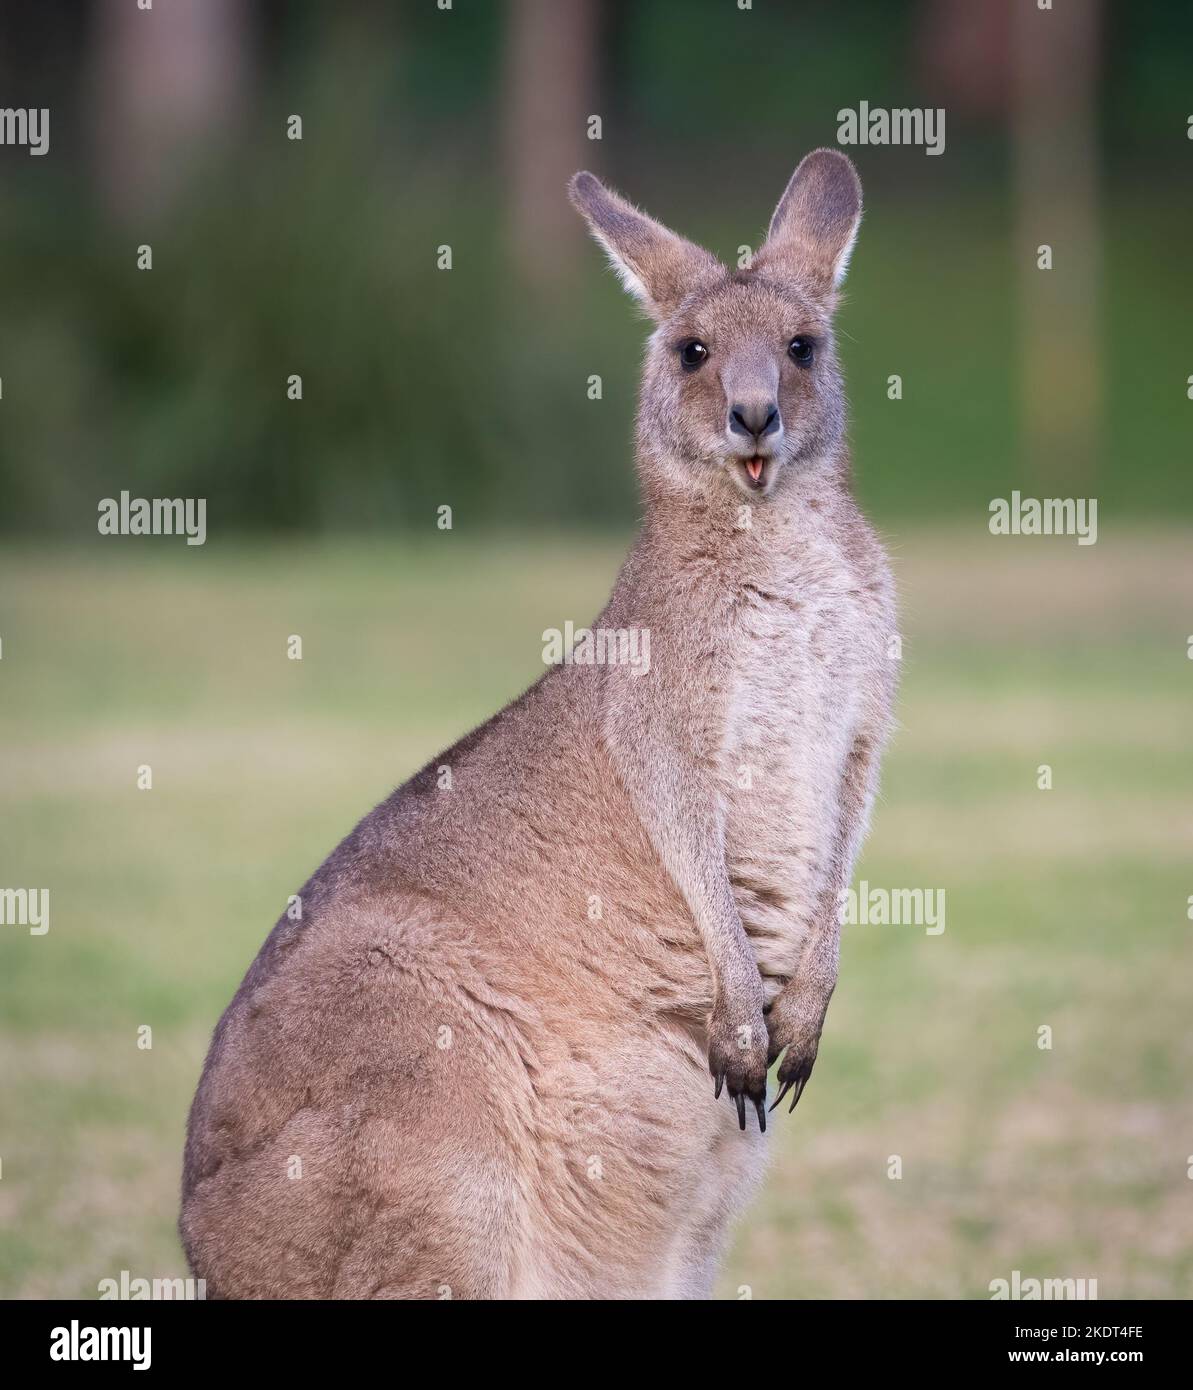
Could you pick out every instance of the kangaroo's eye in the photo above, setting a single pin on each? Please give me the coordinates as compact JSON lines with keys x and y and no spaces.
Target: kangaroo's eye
{"x":692,"y":354}
{"x":801,"y":351}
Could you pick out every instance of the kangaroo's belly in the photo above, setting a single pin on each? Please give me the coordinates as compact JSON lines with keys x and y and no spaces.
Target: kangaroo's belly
{"x":802,"y":668}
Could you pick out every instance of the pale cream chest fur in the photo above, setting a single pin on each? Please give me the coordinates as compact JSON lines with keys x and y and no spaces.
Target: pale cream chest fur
{"x":808,"y":636}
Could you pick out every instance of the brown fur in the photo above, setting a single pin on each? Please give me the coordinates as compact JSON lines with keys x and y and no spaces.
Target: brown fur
{"x":487,"y":1043}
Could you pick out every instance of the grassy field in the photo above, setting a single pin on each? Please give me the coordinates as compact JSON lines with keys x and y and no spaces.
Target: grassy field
{"x":1065,"y":908}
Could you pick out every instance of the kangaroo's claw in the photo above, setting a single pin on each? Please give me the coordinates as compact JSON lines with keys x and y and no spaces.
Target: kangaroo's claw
{"x":794,"y":1078}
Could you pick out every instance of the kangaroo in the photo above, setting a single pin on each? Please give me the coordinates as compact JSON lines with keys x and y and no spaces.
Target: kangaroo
{"x":517,"y":1043}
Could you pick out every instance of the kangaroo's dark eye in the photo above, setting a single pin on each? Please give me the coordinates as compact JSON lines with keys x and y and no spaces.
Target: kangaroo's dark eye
{"x":693,"y":354}
{"x":801,"y":351}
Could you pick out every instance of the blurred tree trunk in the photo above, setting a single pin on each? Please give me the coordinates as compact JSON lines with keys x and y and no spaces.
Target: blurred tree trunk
{"x":1039,"y":70}
{"x":549,"y":94}
{"x":964,"y":48}
{"x":1056,"y":169}
{"x":164,"y":83}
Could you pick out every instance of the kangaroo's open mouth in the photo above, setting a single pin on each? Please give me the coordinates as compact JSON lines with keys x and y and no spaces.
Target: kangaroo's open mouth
{"x":757,"y":470}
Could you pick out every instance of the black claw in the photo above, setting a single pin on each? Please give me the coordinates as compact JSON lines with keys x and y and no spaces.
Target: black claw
{"x":795,"y":1085}
{"x":740,"y":1101}
{"x":716,"y":1095}
{"x":760,"y":1106}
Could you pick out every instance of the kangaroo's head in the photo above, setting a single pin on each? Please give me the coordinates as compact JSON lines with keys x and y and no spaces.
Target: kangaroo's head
{"x":741,"y":388}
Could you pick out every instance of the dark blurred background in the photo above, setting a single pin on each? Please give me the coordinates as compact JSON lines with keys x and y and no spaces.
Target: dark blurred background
{"x":423,"y":127}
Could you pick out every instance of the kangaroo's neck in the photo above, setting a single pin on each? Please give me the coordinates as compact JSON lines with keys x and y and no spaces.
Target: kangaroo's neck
{"x":719,"y":523}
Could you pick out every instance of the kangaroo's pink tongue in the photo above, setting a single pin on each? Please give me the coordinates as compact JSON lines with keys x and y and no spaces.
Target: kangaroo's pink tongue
{"x":754,"y":468}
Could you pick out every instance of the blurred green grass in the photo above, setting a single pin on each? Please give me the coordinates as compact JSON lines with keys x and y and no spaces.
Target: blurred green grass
{"x":1065,"y":908}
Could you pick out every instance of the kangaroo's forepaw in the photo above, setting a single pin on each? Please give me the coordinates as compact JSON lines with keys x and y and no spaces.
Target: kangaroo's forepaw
{"x":793,"y":1035}
{"x":793,"y":1075}
{"x":737,"y":1058}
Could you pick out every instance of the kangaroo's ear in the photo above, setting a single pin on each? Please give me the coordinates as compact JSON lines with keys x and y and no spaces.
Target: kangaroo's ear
{"x":816,"y":222}
{"x":655,"y":265}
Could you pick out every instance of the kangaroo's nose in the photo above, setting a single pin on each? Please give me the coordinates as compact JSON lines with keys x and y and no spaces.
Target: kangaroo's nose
{"x":754,"y":418}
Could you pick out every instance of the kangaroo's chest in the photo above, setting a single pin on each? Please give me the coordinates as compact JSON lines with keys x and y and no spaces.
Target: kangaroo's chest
{"x":801,"y":653}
